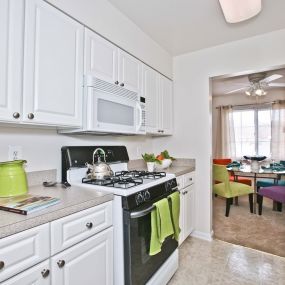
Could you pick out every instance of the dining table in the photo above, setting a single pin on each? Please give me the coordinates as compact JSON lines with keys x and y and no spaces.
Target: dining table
{"x":246,"y":171}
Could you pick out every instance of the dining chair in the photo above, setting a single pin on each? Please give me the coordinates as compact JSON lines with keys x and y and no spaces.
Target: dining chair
{"x":229,"y":189}
{"x":275,"y":193}
{"x":226,"y":161}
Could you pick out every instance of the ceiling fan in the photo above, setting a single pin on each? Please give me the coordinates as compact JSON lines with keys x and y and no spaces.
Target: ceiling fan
{"x":258,"y":83}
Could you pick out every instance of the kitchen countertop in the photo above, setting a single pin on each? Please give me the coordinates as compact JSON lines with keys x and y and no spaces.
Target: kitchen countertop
{"x":179,"y":166}
{"x":72,"y":200}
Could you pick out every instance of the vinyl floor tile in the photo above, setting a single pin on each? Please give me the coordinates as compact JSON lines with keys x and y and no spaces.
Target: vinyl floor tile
{"x":221,"y":263}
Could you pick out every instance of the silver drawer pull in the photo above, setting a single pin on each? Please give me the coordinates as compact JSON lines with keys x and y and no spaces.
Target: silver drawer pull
{"x":190,"y":179}
{"x":2,"y":264}
{"x":89,"y":225}
{"x":61,"y":263}
{"x":45,"y":273}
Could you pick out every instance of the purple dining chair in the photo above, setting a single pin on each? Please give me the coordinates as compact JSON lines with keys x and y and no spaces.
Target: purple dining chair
{"x":276,"y":193}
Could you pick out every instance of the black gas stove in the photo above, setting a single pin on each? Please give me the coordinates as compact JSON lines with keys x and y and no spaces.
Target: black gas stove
{"x":125,"y":179}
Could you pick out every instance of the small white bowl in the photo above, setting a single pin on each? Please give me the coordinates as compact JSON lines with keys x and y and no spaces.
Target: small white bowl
{"x":165,"y":163}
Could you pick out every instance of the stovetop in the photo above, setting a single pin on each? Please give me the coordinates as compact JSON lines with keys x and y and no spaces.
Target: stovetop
{"x":126,"y":179}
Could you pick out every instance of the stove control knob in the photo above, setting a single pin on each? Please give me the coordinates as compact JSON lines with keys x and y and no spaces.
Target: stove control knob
{"x":139,"y":198}
{"x":168,"y":186}
{"x":146,"y":195}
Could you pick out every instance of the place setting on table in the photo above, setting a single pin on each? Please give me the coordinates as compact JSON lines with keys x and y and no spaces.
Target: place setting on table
{"x":256,"y":167}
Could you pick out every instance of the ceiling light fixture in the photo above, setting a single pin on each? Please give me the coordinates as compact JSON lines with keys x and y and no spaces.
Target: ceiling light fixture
{"x":240,"y":10}
{"x":256,"y":89}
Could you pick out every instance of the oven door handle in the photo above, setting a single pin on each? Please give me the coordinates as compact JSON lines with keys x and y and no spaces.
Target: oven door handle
{"x":142,"y":213}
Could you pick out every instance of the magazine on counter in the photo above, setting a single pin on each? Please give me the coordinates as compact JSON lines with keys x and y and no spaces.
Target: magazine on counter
{"x":26,"y":204}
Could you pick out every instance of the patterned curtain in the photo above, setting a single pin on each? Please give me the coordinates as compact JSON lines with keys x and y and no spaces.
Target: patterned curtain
{"x":225,"y":137}
{"x":278,"y":131}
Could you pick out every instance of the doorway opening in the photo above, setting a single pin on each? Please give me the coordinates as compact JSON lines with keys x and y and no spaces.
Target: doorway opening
{"x":248,"y":123}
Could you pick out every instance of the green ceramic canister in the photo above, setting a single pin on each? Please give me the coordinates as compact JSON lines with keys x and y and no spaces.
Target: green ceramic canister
{"x":13,"y":179}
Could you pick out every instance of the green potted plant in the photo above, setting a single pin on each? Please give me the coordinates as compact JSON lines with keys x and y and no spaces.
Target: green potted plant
{"x":150,"y":160}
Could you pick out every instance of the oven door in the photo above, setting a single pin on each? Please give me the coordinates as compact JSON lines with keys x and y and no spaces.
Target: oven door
{"x":111,"y":112}
{"x":139,"y":265}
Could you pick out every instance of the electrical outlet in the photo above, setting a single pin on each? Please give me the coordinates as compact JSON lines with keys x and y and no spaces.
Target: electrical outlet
{"x":15,"y":152}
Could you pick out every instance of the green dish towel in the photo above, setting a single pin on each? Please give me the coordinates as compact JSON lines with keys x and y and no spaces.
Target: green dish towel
{"x":175,"y":212}
{"x":161,"y":225}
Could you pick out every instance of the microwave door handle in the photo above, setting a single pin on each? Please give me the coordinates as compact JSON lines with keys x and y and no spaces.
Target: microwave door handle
{"x":142,"y":213}
{"x":139,"y":108}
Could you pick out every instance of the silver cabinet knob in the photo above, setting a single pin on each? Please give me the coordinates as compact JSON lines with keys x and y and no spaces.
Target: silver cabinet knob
{"x":45,"y":273}
{"x":89,"y":225}
{"x":2,"y":264}
{"x":122,"y":84}
{"x":16,"y":115}
{"x":117,"y":82}
{"x":31,"y":116}
{"x":61,"y":263}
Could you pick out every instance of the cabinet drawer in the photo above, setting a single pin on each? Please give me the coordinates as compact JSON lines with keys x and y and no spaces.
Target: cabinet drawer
{"x":37,"y":275}
{"x":180,"y":182}
{"x":189,"y":179}
{"x":23,"y":250}
{"x":72,"y":229}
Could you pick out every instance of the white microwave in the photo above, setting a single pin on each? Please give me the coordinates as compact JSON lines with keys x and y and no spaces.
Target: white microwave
{"x":112,"y":109}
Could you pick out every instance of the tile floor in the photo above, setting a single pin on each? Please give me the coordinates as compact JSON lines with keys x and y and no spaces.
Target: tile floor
{"x":217,"y":262}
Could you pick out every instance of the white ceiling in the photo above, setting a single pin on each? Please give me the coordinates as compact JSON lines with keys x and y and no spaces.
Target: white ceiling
{"x":223,"y":85}
{"x":181,"y":26}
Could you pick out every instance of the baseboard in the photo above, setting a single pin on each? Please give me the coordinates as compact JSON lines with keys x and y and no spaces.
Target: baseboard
{"x":203,"y":235}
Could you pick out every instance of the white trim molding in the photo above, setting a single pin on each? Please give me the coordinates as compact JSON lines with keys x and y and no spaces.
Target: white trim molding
{"x":203,"y":235}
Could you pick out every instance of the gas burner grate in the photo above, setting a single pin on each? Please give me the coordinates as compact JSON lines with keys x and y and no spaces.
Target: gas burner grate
{"x":115,"y":181}
{"x":140,"y":174}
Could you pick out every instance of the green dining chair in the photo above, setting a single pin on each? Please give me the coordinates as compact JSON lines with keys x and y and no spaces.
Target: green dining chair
{"x":229,"y":189}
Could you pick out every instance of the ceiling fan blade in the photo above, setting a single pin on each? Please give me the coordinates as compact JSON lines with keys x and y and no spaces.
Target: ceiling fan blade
{"x":276,"y":84}
{"x":236,"y":90}
{"x":271,"y":78}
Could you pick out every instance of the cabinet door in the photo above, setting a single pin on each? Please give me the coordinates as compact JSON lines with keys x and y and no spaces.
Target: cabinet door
{"x":101,"y":57}
{"x":151,"y":94}
{"x":53,"y":66}
{"x":166,"y":106}
{"x":11,"y":45}
{"x":88,"y":262}
{"x":37,"y":275}
{"x":188,"y":210}
{"x":130,"y":72}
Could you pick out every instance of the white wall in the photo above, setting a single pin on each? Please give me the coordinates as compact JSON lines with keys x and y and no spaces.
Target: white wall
{"x":108,"y":21}
{"x":241,"y":99}
{"x":192,"y":136}
{"x":41,"y":148}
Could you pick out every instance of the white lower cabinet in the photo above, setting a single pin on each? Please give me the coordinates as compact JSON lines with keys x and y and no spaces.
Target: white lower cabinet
{"x":23,"y":250}
{"x":37,"y":275}
{"x":87,"y":259}
{"x":89,"y":262}
{"x":187,"y":205}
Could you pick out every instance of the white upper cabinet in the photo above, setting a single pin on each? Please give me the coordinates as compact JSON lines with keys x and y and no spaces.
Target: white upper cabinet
{"x":151,"y":94}
{"x":53,"y":66}
{"x":101,"y":57}
{"x":130,"y":72}
{"x":109,"y":63}
{"x":157,"y":90}
{"x":11,"y":44}
{"x":166,"y":105}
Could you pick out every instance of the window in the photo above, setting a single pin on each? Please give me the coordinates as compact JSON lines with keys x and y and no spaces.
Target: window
{"x":252,"y":129}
